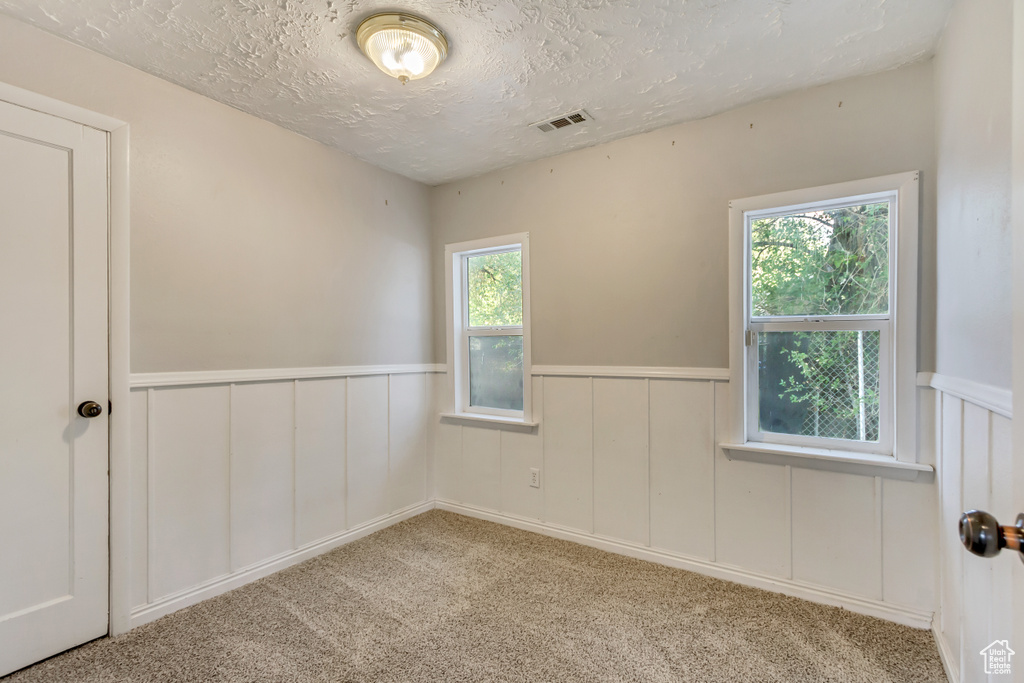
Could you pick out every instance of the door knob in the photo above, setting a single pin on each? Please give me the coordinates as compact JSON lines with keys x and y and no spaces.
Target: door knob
{"x":90,"y":409}
{"x":982,"y":535}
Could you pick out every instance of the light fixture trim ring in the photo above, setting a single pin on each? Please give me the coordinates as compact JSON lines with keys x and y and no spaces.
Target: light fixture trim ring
{"x":400,"y":20}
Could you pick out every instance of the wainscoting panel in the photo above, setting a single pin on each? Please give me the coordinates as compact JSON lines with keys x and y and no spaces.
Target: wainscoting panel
{"x":683,"y":467}
{"x":1007,"y":571}
{"x":481,"y":465}
{"x":977,"y":576}
{"x":189,"y":484}
{"x":262,"y":472}
{"x":630,"y":464}
{"x":568,"y":452}
{"x":140,"y":488}
{"x":520,"y":452}
{"x":320,"y":487}
{"x":977,"y":430}
{"x":621,"y":459}
{"x":752,"y":524}
{"x":367,"y":448}
{"x":232,"y":481}
{"x":837,"y":531}
{"x":752,"y":506}
{"x":448,"y":461}
{"x":409,"y":408}
{"x":909,"y":550}
{"x":951,"y":552}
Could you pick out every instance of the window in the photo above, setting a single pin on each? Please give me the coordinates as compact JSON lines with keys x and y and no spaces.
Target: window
{"x":824,"y":309}
{"x":489,"y":328}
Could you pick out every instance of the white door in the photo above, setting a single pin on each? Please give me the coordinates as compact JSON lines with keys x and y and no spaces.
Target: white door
{"x":53,"y":357}
{"x":1009,"y":591}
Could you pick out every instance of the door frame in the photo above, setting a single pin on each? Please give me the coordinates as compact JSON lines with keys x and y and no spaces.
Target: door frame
{"x":119,"y":444}
{"x":1017,"y":309}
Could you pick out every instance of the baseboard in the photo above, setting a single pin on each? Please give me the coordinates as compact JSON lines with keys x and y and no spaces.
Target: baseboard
{"x":172,"y":603}
{"x":907,"y":616}
{"x":945,"y":654}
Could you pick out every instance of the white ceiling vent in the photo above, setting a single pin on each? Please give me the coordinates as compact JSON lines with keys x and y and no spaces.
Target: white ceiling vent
{"x":571,"y":119}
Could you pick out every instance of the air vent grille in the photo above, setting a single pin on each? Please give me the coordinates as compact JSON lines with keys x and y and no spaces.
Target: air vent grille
{"x":564,"y":121}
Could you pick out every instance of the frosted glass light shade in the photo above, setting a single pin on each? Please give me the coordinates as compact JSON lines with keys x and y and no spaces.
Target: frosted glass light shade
{"x":401,"y":45}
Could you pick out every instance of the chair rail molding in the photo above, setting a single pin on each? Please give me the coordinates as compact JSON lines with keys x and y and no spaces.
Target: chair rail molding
{"x":625,"y":372}
{"x":198,"y":377}
{"x":706,"y":374}
{"x":987,"y":396}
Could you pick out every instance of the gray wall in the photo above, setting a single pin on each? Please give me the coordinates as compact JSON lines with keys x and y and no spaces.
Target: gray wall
{"x":252,"y":247}
{"x":629,"y":239}
{"x":973,"y":89}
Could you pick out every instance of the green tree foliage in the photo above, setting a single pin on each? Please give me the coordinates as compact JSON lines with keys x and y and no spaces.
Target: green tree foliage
{"x":823,"y":263}
{"x":496,"y":289}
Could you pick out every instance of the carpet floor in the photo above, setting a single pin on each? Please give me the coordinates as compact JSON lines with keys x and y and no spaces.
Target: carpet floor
{"x":442,"y":597}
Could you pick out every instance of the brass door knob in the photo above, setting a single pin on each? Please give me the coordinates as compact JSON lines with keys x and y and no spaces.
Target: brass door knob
{"x":90,"y":409}
{"x":982,"y":535}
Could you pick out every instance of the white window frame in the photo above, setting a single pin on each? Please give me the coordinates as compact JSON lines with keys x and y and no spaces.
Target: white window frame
{"x":897,"y":329}
{"x":459,"y":329}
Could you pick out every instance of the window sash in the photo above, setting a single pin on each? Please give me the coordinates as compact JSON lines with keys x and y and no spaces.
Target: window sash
{"x":828,"y":319}
{"x":884,"y":445}
{"x":464,"y":274}
{"x":467,"y":405}
{"x":825,"y":205}
{"x":891,"y":197}
{"x":511,"y":330}
{"x":818,"y":324}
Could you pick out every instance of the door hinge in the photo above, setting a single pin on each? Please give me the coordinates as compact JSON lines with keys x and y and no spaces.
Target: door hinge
{"x":749,"y":338}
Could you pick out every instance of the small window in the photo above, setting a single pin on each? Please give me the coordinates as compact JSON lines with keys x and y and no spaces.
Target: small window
{"x":489,"y":340}
{"x":819,"y":316}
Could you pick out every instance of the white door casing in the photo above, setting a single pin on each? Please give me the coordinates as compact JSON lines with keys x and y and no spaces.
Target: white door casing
{"x":53,"y":356}
{"x":1009,"y":584}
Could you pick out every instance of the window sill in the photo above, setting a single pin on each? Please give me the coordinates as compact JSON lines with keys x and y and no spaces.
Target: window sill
{"x":826,"y":459}
{"x":491,"y":419}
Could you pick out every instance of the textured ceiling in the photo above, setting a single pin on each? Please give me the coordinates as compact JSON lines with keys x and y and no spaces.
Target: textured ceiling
{"x":635,"y":65}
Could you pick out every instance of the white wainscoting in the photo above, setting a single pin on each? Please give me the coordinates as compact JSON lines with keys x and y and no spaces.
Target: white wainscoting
{"x":237,"y":476}
{"x":973,"y":433}
{"x":235,"y":479}
{"x":630,"y":464}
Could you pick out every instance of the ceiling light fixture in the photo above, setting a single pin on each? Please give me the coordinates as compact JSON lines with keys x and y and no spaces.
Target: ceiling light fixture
{"x":402,"y":45}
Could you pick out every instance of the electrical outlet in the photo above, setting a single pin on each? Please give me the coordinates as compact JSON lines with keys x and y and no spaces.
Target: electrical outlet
{"x":535,"y":477}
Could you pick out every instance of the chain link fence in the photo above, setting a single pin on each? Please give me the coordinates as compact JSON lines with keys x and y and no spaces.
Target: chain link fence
{"x":843,"y":403}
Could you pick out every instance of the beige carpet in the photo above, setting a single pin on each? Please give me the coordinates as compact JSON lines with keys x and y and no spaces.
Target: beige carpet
{"x":442,"y":597}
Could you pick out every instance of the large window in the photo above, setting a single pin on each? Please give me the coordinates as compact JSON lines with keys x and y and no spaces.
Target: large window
{"x":824,"y":283}
{"x":489,"y":338}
